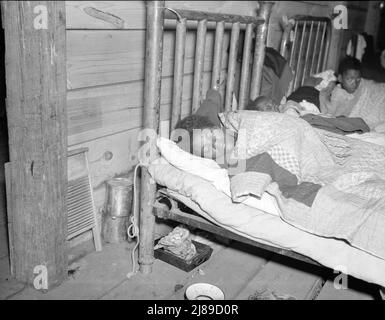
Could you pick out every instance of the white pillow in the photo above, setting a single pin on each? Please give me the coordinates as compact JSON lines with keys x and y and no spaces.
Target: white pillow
{"x":202,"y":167}
{"x":209,"y":170}
{"x":267,"y":203}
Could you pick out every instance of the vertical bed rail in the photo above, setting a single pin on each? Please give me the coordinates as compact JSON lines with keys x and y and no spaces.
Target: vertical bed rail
{"x":221,"y":22}
{"x":300,"y":61}
{"x":232,"y":65}
{"x":245,"y":72}
{"x":152,"y":86}
{"x":260,"y":44}
{"x":180,"y":43}
{"x":305,"y":44}
{"x":199,"y":64}
{"x":217,"y":63}
{"x":307,"y":53}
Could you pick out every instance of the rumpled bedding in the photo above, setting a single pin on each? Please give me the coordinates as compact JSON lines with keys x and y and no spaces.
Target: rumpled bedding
{"x":340,"y":125}
{"x":372,"y":137}
{"x":201,"y":196}
{"x":291,"y":142}
{"x":370,"y":105}
{"x":350,"y":205}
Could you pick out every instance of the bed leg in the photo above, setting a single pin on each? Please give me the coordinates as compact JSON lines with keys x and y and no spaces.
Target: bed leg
{"x":147,"y":224}
{"x":151,"y":110}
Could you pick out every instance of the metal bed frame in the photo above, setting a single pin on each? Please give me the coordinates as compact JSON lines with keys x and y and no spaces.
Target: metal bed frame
{"x":250,"y":81}
{"x":305,"y":44}
{"x":157,"y":18}
{"x":157,"y":15}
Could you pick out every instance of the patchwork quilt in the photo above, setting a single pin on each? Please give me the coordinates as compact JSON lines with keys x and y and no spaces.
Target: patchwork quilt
{"x":324,"y":183}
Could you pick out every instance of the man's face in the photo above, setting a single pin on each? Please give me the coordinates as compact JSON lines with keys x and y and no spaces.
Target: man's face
{"x":213,"y":143}
{"x":350,"y":80}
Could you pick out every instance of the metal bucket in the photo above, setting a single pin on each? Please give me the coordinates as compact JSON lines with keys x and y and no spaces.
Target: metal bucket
{"x":117,"y":210}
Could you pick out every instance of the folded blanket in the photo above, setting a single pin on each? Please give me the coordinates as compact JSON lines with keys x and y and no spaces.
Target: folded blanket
{"x":341,"y":125}
{"x":261,"y":170}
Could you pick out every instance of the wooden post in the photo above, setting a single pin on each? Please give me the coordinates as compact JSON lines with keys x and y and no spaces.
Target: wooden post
{"x":152,"y":86}
{"x":260,"y":44}
{"x":180,"y":47}
{"x":35,"y":62}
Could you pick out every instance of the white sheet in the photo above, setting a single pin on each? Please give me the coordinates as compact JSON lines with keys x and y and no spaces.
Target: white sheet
{"x":209,"y":170}
{"x":257,"y":225}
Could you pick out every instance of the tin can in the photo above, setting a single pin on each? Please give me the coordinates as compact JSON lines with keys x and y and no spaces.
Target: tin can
{"x":117,"y":210}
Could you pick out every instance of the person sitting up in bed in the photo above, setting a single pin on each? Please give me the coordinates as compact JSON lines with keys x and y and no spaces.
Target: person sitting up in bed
{"x":357,"y":97}
{"x":343,"y":96}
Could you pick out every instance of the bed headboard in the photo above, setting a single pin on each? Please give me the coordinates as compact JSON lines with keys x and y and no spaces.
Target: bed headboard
{"x":250,"y":80}
{"x":250,"y":77}
{"x":305,"y":44}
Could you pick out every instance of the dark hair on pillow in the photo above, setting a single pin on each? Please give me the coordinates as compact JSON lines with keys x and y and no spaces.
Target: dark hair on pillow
{"x":192,"y":122}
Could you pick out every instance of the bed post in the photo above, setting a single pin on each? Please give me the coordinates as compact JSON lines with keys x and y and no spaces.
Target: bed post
{"x":152,"y":85}
{"x":287,"y":28}
{"x":260,"y":44}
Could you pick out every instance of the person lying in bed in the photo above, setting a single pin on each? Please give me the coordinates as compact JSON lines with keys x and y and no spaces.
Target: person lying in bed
{"x":357,"y":97}
{"x":341,"y":125}
{"x":259,"y":171}
{"x":262,"y":103}
{"x":305,"y":99}
{"x":266,"y":104}
{"x":311,"y":95}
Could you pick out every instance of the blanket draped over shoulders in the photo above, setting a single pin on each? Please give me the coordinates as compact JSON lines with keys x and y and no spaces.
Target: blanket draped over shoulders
{"x":371,"y":103}
{"x":368,"y":102}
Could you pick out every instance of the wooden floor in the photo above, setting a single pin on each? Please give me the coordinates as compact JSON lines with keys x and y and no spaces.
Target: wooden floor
{"x":242,"y":272}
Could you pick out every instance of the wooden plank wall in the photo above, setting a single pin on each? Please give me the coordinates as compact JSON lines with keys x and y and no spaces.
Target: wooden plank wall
{"x":105,"y":66}
{"x":373,"y":20}
{"x":357,"y":21}
{"x":105,"y":80}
